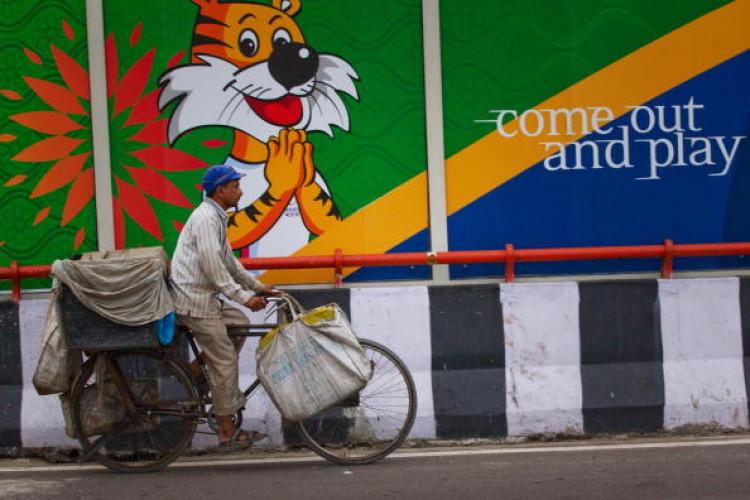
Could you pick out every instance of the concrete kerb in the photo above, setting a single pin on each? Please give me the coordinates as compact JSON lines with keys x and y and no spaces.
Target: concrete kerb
{"x":532,"y":362}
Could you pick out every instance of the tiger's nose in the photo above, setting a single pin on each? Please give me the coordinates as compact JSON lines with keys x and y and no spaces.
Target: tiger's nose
{"x":293,"y":64}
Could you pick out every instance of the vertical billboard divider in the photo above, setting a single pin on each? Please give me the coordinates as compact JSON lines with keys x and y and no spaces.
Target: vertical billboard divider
{"x":100,"y":126}
{"x":433,"y":91}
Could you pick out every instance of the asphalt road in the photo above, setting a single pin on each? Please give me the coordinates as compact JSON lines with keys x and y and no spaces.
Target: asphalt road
{"x":667,"y":468}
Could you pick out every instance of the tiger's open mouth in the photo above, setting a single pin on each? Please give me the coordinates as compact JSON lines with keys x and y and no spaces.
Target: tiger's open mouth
{"x":283,"y":112}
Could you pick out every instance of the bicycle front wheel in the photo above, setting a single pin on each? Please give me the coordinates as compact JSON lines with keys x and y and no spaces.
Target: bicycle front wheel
{"x":368,"y":426}
{"x":154,"y":430}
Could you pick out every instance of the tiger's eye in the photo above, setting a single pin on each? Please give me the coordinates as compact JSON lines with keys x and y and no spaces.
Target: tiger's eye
{"x":248,"y":43}
{"x":281,"y":37}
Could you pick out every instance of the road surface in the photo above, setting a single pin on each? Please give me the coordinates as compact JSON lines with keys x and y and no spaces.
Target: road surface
{"x":716,"y":467}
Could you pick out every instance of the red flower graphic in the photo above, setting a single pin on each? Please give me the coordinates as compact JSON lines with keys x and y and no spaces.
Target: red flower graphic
{"x":138,"y":139}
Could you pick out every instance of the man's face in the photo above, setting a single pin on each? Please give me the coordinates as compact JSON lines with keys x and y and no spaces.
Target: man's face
{"x":229,"y":193}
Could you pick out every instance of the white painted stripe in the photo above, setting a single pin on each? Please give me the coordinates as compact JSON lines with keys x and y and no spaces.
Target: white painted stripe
{"x":702,"y":338}
{"x":399,"y":318}
{"x":542,"y":358}
{"x":42,"y":422}
{"x":464,"y":452}
{"x":260,"y":413}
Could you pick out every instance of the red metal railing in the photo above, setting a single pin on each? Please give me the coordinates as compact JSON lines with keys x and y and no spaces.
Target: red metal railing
{"x":667,"y":252}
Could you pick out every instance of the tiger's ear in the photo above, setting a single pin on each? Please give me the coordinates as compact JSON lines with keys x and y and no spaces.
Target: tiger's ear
{"x":291,"y":7}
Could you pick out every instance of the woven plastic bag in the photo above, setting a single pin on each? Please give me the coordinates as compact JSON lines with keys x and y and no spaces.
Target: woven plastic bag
{"x":57,"y":365}
{"x":312,"y":362}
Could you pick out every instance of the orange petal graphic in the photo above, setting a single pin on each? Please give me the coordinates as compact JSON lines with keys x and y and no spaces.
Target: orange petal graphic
{"x":52,"y":148}
{"x":33,"y":57}
{"x":60,"y":174}
{"x":43,"y":213}
{"x":72,"y":73}
{"x":80,"y":235}
{"x":146,"y":110}
{"x":158,"y":186}
{"x":113,"y":66}
{"x":132,"y":84}
{"x":136,"y":205}
{"x":47,"y":122}
{"x":155,"y":133}
{"x":79,"y":195}
{"x":7,"y":137}
{"x":135,"y":35}
{"x":67,"y":30}
{"x":10,"y":94}
{"x":15,"y":180}
{"x":119,"y":223}
{"x":171,"y":160}
{"x":175,"y":59}
{"x":60,"y":98}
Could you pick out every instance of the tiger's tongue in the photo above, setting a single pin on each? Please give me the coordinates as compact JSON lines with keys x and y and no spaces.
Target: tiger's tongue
{"x":283,"y":112}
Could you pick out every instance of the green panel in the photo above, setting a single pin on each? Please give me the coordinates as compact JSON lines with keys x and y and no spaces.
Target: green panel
{"x":32,"y":230}
{"x":515,"y":54}
{"x":386,"y":145}
{"x":386,"y":142}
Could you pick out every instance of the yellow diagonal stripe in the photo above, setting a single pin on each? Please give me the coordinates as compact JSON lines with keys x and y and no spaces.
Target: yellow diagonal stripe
{"x":637,"y":78}
{"x":474,"y":171}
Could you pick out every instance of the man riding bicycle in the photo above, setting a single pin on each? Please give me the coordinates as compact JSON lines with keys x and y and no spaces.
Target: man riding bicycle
{"x":203,"y":267}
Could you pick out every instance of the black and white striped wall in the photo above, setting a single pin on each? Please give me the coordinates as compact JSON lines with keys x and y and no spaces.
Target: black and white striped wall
{"x":498,"y":360}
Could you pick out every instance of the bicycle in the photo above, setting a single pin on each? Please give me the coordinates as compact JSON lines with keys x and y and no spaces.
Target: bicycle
{"x":153,"y":406}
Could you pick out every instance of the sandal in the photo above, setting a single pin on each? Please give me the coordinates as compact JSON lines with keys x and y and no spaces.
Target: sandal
{"x":241,"y":440}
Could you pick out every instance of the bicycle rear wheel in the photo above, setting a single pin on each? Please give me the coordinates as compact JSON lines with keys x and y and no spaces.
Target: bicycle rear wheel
{"x":151,"y":434}
{"x":367,"y":427}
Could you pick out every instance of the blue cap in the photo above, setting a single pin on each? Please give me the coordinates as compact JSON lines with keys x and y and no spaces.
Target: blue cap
{"x":218,"y":175}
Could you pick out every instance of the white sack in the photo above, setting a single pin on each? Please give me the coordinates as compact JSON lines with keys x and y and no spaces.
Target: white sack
{"x":312,"y":363}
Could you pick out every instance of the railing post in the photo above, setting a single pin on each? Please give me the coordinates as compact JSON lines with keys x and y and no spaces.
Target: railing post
{"x":15,"y":282}
{"x":667,"y":259}
{"x":510,"y":261}
{"x":338,"y":258}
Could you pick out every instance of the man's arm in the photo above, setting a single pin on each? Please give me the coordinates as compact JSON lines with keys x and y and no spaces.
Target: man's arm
{"x":239,"y":273}
{"x":210,"y":252}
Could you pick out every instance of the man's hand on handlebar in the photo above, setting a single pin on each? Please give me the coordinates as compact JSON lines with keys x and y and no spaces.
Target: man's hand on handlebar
{"x":260,"y":300}
{"x":256,"y":303}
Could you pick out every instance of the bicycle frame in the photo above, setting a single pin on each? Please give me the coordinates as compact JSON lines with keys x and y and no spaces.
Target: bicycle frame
{"x":249,"y":330}
{"x":326,"y":433}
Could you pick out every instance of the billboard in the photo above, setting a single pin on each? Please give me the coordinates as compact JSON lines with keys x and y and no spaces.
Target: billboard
{"x":578,"y":124}
{"x":320,"y":105}
{"x":565,"y":124}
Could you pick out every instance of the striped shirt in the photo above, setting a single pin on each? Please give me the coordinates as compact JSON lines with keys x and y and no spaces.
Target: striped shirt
{"x":203,"y":265}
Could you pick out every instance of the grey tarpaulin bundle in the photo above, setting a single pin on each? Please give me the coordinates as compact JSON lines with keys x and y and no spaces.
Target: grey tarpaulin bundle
{"x":128,"y":287}
{"x":313,"y":362}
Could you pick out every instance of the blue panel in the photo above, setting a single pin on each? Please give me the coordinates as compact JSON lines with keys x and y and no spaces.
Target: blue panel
{"x":607,"y":206}
{"x":420,"y":242}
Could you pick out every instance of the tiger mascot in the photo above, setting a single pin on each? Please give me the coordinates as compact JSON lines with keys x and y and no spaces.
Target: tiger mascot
{"x":251,"y":70}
